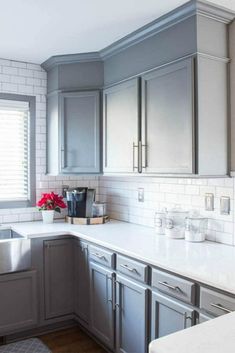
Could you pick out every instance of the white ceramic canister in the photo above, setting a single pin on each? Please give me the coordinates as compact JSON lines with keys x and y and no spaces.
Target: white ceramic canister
{"x":160,"y":221}
{"x":175,"y":223}
{"x":195,"y":228}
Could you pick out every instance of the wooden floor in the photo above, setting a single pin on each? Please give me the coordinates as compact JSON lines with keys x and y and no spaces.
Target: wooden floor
{"x":71,"y":341}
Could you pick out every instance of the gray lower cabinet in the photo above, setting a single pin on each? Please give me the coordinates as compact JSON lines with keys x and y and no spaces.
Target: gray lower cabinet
{"x":101,"y":304}
{"x":58,"y":277}
{"x":131,"y":316}
{"x":18,"y":302}
{"x":168,"y":119}
{"x":203,"y":318}
{"x":81,"y":286}
{"x":120,"y":124}
{"x":169,"y":316}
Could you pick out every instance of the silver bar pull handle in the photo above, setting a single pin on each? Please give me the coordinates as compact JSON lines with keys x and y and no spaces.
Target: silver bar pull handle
{"x":144,"y":165}
{"x":112,"y":292}
{"x":186,"y":318}
{"x":118,"y":288}
{"x":134,"y":166}
{"x":139,"y":157}
{"x":165,"y":284}
{"x":98,"y":255}
{"x":219,"y":306}
{"x":62,"y":158}
{"x":129,"y":268}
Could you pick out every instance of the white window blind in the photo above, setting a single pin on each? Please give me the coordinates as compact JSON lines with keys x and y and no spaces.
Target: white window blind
{"x":14,"y":150}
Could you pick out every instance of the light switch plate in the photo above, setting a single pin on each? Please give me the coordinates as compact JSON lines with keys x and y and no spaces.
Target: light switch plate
{"x":141,"y":194}
{"x":209,"y":202}
{"x":225,"y":205}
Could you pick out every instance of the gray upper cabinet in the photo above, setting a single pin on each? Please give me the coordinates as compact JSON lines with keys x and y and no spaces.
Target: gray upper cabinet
{"x":80,"y":132}
{"x":81,"y":286}
{"x":168,"y":119}
{"x":58,"y":277}
{"x":169,"y":316}
{"x":131,"y":316}
{"x":101,"y":304}
{"x":120,"y":126}
{"x":18,"y":302}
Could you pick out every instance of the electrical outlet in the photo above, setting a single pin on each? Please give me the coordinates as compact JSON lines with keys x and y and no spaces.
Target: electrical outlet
{"x":224,"y":205}
{"x":209,"y":202}
{"x":65,"y":188}
{"x":141,"y":194}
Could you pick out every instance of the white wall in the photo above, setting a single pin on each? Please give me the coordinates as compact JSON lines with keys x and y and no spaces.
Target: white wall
{"x":30,"y":79}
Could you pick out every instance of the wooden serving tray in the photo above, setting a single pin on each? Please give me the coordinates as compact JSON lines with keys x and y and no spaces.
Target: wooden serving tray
{"x":87,"y":221}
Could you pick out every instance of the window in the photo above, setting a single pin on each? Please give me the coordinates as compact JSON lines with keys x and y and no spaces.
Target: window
{"x":17,"y":151}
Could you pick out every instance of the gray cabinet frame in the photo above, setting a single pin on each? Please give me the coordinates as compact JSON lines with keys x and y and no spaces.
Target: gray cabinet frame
{"x":186,"y":103}
{"x":58,"y":278}
{"x":174,"y":307}
{"x":63,"y":119}
{"x":18,"y":302}
{"x":135,"y":337}
{"x":101,"y":304}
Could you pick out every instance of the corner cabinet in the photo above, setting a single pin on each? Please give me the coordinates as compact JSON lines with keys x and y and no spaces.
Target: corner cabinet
{"x":73,"y":124}
{"x":58,"y":278}
{"x":81,"y":286}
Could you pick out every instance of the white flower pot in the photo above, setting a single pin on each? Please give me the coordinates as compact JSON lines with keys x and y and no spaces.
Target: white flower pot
{"x":48,"y":216}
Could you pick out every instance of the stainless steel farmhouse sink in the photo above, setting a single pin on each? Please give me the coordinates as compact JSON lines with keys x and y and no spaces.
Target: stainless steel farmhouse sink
{"x":15,"y":252}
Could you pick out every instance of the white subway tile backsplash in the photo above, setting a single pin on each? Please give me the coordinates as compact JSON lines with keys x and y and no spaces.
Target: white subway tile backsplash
{"x":121,"y":197}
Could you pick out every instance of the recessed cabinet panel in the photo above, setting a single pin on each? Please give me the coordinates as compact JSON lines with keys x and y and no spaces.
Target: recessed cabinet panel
{"x":81,"y":285}
{"x":169,"y":316}
{"x":18,"y":302}
{"x":121,"y":114}
{"x":80,"y":134}
{"x":131,"y":316}
{"x":168,"y":119}
{"x":58,"y":262}
{"x":102,"y":313}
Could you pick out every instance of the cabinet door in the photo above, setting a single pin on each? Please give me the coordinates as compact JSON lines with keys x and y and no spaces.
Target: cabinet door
{"x":121,"y":119}
{"x":204,"y":318}
{"x":168,"y":316}
{"x":101,"y":304}
{"x":131,"y":316}
{"x":18,"y":302}
{"x":81,"y":282}
{"x":58,"y":264}
{"x":80,"y":132}
{"x":168,"y":119}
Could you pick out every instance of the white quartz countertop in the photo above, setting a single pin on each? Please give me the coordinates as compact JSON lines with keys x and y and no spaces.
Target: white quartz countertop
{"x":214,"y":336}
{"x":208,"y":262}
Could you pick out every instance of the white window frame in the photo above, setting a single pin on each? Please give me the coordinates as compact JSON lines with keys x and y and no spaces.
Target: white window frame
{"x":31,"y":100}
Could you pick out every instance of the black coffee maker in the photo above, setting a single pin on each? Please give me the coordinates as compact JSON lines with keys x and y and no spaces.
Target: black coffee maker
{"x":80,"y":201}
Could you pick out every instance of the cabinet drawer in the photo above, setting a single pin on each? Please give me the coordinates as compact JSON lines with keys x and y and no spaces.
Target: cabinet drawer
{"x":101,"y":256}
{"x":132,"y":268}
{"x":216,"y":303}
{"x":174,"y":286}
